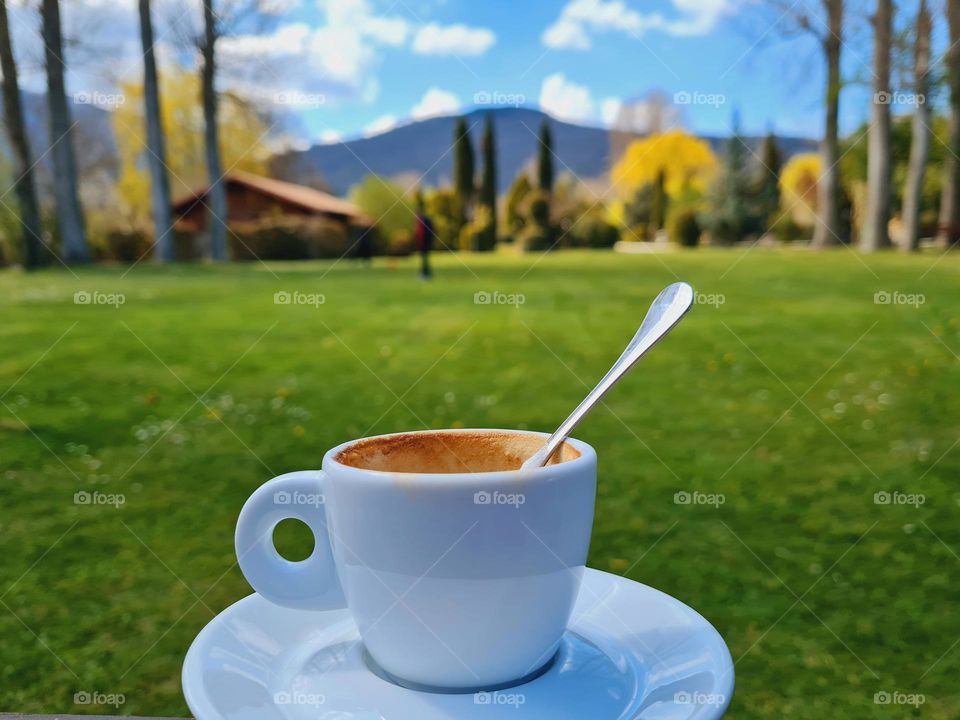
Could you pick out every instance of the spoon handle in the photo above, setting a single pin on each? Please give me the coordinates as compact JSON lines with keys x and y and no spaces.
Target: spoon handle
{"x":665,"y":312}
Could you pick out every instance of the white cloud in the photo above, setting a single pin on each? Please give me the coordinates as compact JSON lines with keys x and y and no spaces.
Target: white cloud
{"x":330,"y":136}
{"x":566,"y":34}
{"x":380,"y":125}
{"x":435,"y":102}
{"x":610,"y":109}
{"x":434,"y":39}
{"x":580,"y":18}
{"x":564,"y":99}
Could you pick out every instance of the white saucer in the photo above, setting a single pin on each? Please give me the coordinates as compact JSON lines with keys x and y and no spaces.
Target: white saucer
{"x":630,"y":652}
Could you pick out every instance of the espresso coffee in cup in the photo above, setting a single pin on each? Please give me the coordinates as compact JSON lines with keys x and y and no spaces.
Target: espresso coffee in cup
{"x":459,"y":568}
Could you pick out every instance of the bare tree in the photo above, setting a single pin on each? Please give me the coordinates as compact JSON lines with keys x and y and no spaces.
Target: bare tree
{"x":20,"y":144}
{"x":920,"y":131}
{"x":156,"y":143}
{"x":228,"y":17}
{"x":822,"y":20}
{"x":949,"y":225}
{"x":876,"y":234}
{"x":69,"y":212}
{"x":828,"y":227}
{"x":217,"y":191}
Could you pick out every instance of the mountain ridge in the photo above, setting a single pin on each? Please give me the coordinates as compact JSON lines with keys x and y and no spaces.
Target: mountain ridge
{"x":422,"y":148}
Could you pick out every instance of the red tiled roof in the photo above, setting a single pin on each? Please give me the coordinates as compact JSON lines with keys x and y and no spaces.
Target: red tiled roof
{"x":305,"y":197}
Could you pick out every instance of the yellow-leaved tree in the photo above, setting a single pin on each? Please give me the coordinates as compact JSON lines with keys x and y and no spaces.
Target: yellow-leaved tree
{"x":686,"y":162}
{"x":798,"y":184}
{"x":242,"y":139}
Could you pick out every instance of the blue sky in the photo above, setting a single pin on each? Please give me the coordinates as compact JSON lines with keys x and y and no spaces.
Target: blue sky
{"x":334,"y":69}
{"x":578,"y":58}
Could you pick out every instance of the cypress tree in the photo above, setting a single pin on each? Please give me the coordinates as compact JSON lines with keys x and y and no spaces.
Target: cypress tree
{"x":768,"y":183}
{"x":658,"y":210}
{"x":463,"y":171}
{"x":488,"y":187}
{"x":730,"y":206}
{"x":545,"y":165}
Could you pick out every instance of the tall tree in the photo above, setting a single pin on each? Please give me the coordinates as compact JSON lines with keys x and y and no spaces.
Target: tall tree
{"x":20,"y":144}
{"x":949,"y":230}
{"x":156,"y":144}
{"x":658,"y":209}
{"x":920,"y":131}
{"x":217,"y":193}
{"x":828,"y":229}
{"x":729,"y":218}
{"x":875,"y":227}
{"x":545,"y":160}
{"x":69,"y":211}
{"x":488,"y":186}
{"x":463,"y":165}
{"x":768,"y":181}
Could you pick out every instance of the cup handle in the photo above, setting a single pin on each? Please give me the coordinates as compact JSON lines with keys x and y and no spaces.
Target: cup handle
{"x":310,"y":584}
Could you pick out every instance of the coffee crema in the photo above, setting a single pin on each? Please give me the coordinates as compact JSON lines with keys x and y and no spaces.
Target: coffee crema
{"x":449,"y":452}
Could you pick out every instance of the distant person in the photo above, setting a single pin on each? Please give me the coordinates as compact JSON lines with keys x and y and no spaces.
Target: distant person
{"x":365,"y":246}
{"x":423,"y":234}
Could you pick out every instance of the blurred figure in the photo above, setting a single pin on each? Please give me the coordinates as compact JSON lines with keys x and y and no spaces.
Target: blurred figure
{"x":423,"y":235}
{"x":365,"y":246}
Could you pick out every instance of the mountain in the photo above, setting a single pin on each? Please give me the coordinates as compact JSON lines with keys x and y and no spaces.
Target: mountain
{"x":94,"y":145}
{"x":421,"y":149}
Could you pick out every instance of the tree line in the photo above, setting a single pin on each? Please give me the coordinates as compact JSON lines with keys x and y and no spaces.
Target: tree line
{"x":70,"y":216}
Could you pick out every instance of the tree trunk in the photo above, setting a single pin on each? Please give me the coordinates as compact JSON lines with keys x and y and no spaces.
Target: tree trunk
{"x":919,"y":131}
{"x":828,"y":187}
{"x":156,"y":144}
{"x":33,"y":254}
{"x":216,"y":191}
{"x":69,"y":212}
{"x":949,"y":230}
{"x":876,"y":233}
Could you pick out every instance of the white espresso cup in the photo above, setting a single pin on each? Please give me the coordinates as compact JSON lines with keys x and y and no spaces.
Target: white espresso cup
{"x":459,"y":569}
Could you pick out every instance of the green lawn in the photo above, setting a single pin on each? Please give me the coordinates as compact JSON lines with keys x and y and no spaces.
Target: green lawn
{"x":798,"y":398}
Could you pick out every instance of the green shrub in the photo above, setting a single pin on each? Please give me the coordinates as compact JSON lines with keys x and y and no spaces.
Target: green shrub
{"x":786,"y":229}
{"x":400,"y":244}
{"x":288,"y":237}
{"x":638,"y":232}
{"x":479,"y":234}
{"x":593,"y":231}
{"x":186,"y":246}
{"x":533,"y":238}
{"x":123,"y":245}
{"x":683,"y":227}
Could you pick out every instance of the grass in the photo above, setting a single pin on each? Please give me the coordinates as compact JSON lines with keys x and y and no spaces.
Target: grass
{"x":796,"y":399}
